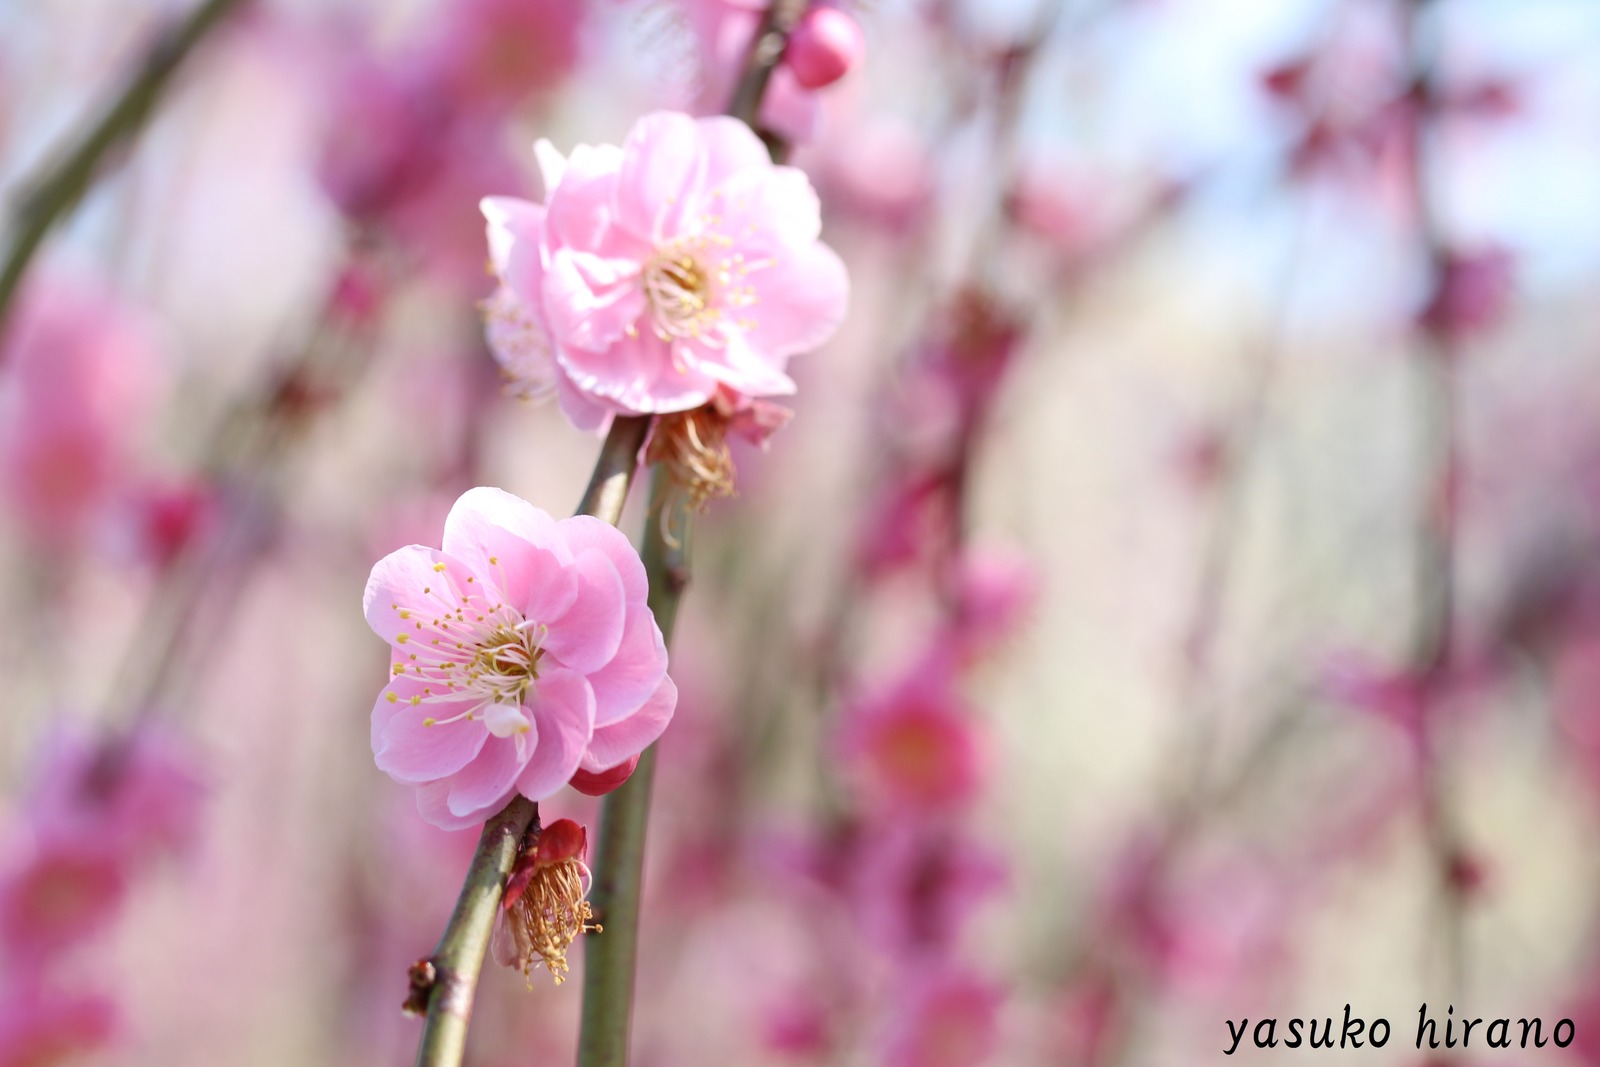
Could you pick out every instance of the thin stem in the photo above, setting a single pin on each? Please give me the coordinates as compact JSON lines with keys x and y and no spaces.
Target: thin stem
{"x":443,"y":985}
{"x":609,"y":961}
{"x":54,"y":192}
{"x":449,"y":978}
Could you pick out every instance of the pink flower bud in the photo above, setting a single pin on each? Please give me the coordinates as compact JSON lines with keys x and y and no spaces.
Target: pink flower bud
{"x":824,"y":47}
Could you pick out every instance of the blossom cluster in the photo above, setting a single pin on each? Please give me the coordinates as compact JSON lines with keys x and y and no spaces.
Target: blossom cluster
{"x":101,"y":812}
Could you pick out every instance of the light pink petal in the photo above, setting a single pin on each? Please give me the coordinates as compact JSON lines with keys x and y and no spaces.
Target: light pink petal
{"x":404,"y":586}
{"x":612,"y":744}
{"x":563,"y":715}
{"x":634,"y":673}
{"x":663,"y":163}
{"x":591,"y":303}
{"x":579,"y":207}
{"x":800,"y":301}
{"x":489,"y":780}
{"x":530,"y":554}
{"x":520,"y":343}
{"x":552,"y":165}
{"x":637,"y":375}
{"x":583,"y":411}
{"x":408,"y":751}
{"x":730,"y":147}
{"x":769,"y":209}
{"x":742,"y":368}
{"x":515,"y":229}
{"x":433,"y":804}
{"x":587,"y":636}
{"x":585,"y":531}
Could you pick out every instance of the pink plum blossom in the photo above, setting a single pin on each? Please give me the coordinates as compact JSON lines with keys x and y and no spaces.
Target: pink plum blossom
{"x":77,"y":373}
{"x":657,"y":275}
{"x":914,"y":746}
{"x":59,"y":893}
{"x":826,"y":44}
{"x":522,"y":652}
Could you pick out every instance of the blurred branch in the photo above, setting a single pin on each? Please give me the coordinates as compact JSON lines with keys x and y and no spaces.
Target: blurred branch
{"x":766,"y":49}
{"x":609,"y":961}
{"x":47,"y":197}
{"x":443,"y":985}
{"x":1438,"y":417}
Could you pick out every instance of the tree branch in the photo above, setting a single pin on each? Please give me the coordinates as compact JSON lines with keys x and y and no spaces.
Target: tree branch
{"x":444,"y":984}
{"x":53,"y":193}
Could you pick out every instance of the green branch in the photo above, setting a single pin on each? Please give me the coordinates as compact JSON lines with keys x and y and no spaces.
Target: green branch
{"x":609,"y":961}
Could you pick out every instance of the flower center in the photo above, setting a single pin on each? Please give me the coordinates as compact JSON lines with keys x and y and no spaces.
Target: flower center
{"x":475,"y":651}
{"x":505,"y":664}
{"x":679,"y":290}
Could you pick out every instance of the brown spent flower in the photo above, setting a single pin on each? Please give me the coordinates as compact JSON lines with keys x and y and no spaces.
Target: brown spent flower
{"x":544,"y":908}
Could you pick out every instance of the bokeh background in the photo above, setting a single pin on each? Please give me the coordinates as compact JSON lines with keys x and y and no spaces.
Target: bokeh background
{"x":1175,"y":600}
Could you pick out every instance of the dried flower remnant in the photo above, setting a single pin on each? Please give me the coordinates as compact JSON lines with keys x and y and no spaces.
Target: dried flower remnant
{"x":545,"y":906}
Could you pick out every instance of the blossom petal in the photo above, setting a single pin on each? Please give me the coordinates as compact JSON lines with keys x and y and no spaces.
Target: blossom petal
{"x":433,"y":804}
{"x":586,"y":531}
{"x":407,"y":584}
{"x":663,"y":163}
{"x":529,"y":554}
{"x":582,"y":410}
{"x":563,"y":714}
{"x":407,"y":750}
{"x":612,"y":744}
{"x":800,"y":301}
{"x":637,"y":375}
{"x":730,"y":147}
{"x":742,"y":368}
{"x":769,"y":208}
{"x":489,"y":780}
{"x":591,"y":302}
{"x":515,"y":231}
{"x":552,"y":164}
{"x":579,"y":206}
{"x":633,"y":674}
{"x":587,"y":636}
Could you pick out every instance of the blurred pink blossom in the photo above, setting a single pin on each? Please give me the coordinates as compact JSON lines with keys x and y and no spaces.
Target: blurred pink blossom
{"x":77,"y":378}
{"x":825,"y":45}
{"x":913,"y":746}
{"x":523,"y":651}
{"x":1472,"y":290}
{"x":136,"y":796}
{"x":942,"y":1018}
{"x":494,"y":53}
{"x":656,"y":274}
{"x":916,"y":889}
{"x":58,"y":892}
{"x":45,"y":1027}
{"x":991,"y":590}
